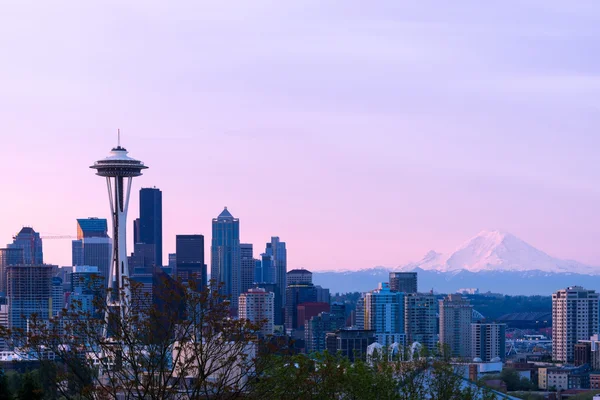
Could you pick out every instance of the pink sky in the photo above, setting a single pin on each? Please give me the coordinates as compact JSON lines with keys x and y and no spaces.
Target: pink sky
{"x":361,"y":135}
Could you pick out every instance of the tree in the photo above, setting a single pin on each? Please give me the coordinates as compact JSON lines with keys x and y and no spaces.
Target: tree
{"x":30,"y":389}
{"x":5,"y":393}
{"x":179,"y":342}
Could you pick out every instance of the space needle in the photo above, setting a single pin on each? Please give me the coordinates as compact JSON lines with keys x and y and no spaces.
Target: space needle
{"x":119,"y":170}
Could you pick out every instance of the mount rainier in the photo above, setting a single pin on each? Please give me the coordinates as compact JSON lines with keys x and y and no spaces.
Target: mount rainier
{"x":493,"y":261}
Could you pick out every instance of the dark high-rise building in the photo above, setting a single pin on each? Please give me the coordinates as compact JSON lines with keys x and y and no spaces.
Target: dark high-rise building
{"x":225,"y":256}
{"x":316,"y":329}
{"x":8,"y":257}
{"x":92,"y":227}
{"x":264,"y":269}
{"x":338,"y":312}
{"x":247,"y":265}
{"x":142,"y":259}
{"x":93,"y":247}
{"x":29,"y":291}
{"x":150,"y":230}
{"x":296,"y":294}
{"x":31,"y":243}
{"x":352,"y":343}
{"x":189,"y":259}
{"x":405,"y":282}
{"x":323,"y":295}
{"x":136,"y":231}
{"x":279,"y":252}
{"x":305,"y":311}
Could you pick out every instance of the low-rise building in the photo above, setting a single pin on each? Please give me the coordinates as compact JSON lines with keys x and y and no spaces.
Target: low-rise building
{"x":563,"y":378}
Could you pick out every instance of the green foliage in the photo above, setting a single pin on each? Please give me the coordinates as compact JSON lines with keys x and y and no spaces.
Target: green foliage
{"x":5,"y":393}
{"x":584,"y":396}
{"x":513,"y":380}
{"x":30,"y":388}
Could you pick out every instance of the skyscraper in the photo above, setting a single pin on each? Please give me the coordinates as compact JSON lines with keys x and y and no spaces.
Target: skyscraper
{"x":247,"y":266}
{"x":119,"y":170}
{"x":264,"y":272}
{"x":258,"y":306}
{"x":31,"y":243}
{"x":226,"y":257}
{"x":93,"y":247}
{"x":574,"y":318}
{"x":405,"y":282}
{"x":279,"y":252}
{"x":299,"y":276}
{"x":189,"y":259}
{"x":299,"y":290}
{"x":8,"y":257}
{"x":29,"y":292}
{"x":456,"y":315}
{"x":420,"y":319}
{"x":384,"y":314}
{"x":150,"y":230}
{"x":488,"y":341}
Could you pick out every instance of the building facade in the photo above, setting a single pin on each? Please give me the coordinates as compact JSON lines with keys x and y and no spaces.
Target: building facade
{"x":352,"y":343}
{"x":574,"y":318}
{"x":297,"y":294}
{"x":405,"y":282}
{"x":29,"y":292}
{"x":278,"y":251}
{"x":384,"y":314}
{"x":93,"y":247}
{"x":456,"y":315}
{"x":31,"y":243}
{"x":189,"y":260}
{"x":299,"y":276}
{"x":226,"y":257}
{"x":488,"y":341}
{"x":247,"y":266}
{"x":279,"y":309}
{"x":258,"y":306}
{"x":420,"y":319}
{"x":316,"y":329}
{"x":150,"y":225}
{"x":9,"y":257}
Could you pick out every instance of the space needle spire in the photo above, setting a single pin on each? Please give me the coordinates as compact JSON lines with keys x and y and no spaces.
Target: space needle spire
{"x":119,"y":170}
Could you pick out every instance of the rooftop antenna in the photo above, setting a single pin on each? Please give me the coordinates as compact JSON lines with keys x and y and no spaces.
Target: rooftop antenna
{"x":119,"y":137}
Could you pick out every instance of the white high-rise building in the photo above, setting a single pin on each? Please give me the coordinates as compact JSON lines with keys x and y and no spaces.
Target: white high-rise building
{"x":456,"y":314}
{"x":574,"y":318}
{"x":4,"y":324}
{"x":384,"y":314}
{"x":258,"y":306}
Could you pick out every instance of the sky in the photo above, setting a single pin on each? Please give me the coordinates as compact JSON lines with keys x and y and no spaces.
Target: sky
{"x":361,"y":133}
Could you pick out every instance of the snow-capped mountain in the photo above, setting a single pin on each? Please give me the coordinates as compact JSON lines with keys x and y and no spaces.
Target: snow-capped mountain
{"x":492,"y":261}
{"x":498,"y":251}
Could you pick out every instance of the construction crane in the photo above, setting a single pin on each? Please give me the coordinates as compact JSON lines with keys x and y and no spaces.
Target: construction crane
{"x":52,"y":237}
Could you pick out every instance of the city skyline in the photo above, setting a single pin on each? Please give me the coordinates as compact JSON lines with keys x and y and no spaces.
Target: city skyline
{"x":393,"y":131}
